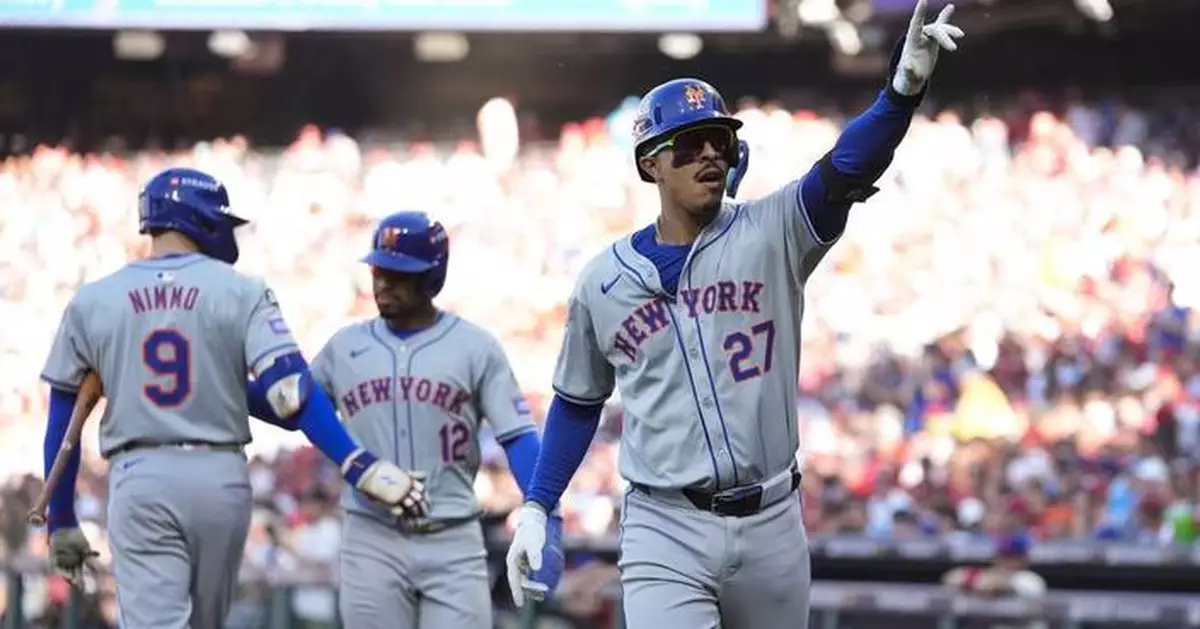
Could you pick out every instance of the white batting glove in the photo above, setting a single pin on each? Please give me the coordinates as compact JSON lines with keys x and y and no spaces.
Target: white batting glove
{"x":402,"y":491}
{"x":525,"y":552}
{"x":921,"y":47}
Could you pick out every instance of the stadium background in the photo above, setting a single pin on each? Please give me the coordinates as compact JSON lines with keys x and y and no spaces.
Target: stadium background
{"x":1000,"y":358}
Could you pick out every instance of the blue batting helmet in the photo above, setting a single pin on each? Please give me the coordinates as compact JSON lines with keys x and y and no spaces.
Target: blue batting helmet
{"x":673,"y":106}
{"x":411,"y":242}
{"x":194,"y":204}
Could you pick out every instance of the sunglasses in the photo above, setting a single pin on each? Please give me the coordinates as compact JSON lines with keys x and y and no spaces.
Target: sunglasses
{"x":687,"y":145}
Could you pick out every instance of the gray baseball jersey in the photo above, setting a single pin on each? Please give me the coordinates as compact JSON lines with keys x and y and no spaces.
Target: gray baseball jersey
{"x":707,"y":377}
{"x":418,"y":401}
{"x":172,"y":339}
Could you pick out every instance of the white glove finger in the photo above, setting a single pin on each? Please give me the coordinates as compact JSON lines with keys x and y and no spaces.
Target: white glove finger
{"x":918,"y":20}
{"x":944,"y":16}
{"x":514,"y":577}
{"x":534,"y":559}
{"x":939,"y":35}
{"x":953,"y":31}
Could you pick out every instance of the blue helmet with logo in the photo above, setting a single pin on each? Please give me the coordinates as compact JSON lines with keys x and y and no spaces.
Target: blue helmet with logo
{"x":411,"y":242}
{"x":674,"y":106}
{"x":195,"y":204}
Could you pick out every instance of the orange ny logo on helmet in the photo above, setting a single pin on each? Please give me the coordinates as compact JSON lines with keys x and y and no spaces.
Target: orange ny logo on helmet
{"x":695,"y":96}
{"x":388,"y":237}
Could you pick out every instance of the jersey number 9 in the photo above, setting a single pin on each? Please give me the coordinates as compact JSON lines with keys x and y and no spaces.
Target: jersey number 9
{"x":740,"y":346}
{"x":167,"y":354}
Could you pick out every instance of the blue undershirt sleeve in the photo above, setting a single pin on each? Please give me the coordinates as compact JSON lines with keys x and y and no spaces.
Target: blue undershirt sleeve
{"x":863,"y":151}
{"x":569,"y":431}
{"x":522,"y":451}
{"x":61,"y":507}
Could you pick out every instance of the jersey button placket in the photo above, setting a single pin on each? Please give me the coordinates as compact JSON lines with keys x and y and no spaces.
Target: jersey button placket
{"x":709,"y":422}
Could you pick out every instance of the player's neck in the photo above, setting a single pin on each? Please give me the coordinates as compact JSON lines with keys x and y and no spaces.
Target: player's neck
{"x":417,"y":320}
{"x":171,"y":243}
{"x":677,"y":227}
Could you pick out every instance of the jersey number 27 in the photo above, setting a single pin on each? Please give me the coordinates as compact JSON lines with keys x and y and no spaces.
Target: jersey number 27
{"x":740,"y":347}
{"x":167,"y":355}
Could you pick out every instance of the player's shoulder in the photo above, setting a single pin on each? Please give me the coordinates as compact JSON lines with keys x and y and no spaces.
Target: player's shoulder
{"x":248,"y":282}
{"x":600,"y":268}
{"x":353,"y":334}
{"x":104,"y":287}
{"x":785,"y":197}
{"x":465,"y":330}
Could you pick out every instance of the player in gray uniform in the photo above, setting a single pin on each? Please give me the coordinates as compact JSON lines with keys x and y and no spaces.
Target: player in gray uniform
{"x":172,"y":338}
{"x":415,"y":384}
{"x":696,"y":319}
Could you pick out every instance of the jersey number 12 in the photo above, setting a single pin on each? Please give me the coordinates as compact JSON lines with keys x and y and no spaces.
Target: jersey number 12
{"x":740,"y":346}
{"x":167,"y":354}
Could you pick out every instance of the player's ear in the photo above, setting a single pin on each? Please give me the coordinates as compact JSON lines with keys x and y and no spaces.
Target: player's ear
{"x":650,"y":166}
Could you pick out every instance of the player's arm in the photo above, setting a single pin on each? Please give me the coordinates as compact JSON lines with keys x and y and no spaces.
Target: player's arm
{"x":64,"y":371}
{"x":279,"y":368}
{"x":505,"y":407}
{"x":815,"y":209}
{"x":583,"y":381}
{"x":260,"y":407}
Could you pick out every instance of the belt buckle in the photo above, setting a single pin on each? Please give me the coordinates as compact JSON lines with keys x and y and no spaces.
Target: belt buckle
{"x":738,"y":502}
{"x":421,"y":527}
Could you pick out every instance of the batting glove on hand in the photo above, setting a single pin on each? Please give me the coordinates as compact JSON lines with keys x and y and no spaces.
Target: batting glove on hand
{"x":542,"y":583}
{"x":71,"y":555}
{"x":402,"y":491}
{"x":534,"y":564}
{"x":921,"y":47}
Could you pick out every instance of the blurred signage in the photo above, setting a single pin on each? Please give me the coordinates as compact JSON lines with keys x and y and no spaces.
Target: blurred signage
{"x":390,"y":15}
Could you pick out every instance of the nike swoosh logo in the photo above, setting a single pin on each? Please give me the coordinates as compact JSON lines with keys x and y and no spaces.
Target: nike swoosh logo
{"x":355,"y":353}
{"x":604,"y":288}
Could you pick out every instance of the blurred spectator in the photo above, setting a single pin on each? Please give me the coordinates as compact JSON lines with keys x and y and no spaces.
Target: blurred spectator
{"x":1008,"y":575}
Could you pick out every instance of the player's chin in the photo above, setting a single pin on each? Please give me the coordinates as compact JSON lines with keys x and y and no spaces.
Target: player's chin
{"x":708,"y":196}
{"x":388,"y":307}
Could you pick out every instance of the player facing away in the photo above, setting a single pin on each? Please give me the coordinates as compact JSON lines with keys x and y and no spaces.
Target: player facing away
{"x":173,"y":337}
{"x":414,"y":384}
{"x":696,"y":319}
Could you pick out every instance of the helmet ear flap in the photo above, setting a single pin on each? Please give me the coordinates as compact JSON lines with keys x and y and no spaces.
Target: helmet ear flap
{"x":731,"y":156}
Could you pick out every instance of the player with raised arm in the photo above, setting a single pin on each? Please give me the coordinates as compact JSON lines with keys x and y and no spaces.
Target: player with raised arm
{"x":696,"y":319}
{"x":415,"y":384}
{"x":172,"y":338}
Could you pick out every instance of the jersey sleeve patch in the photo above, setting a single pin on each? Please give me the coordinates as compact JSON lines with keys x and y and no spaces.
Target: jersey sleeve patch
{"x":278,"y":325}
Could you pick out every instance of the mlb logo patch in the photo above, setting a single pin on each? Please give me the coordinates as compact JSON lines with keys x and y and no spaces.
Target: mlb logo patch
{"x":521,"y":405}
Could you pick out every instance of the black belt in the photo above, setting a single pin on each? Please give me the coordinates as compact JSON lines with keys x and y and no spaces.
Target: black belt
{"x":429,"y":527}
{"x":130,"y":446}
{"x":738,"y":502}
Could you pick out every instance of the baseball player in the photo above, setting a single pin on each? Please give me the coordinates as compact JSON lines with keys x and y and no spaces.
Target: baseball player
{"x":173,"y":338}
{"x":414,"y":384}
{"x":697,"y":318}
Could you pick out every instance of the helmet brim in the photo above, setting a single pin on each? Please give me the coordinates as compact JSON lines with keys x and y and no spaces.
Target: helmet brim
{"x":397,"y":262}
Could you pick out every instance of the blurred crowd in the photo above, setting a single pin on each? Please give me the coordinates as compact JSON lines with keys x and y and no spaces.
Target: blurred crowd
{"x":1002,"y":342}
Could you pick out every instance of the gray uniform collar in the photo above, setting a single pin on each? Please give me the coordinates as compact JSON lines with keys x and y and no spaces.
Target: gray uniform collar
{"x":643,"y":272}
{"x":380,"y":330}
